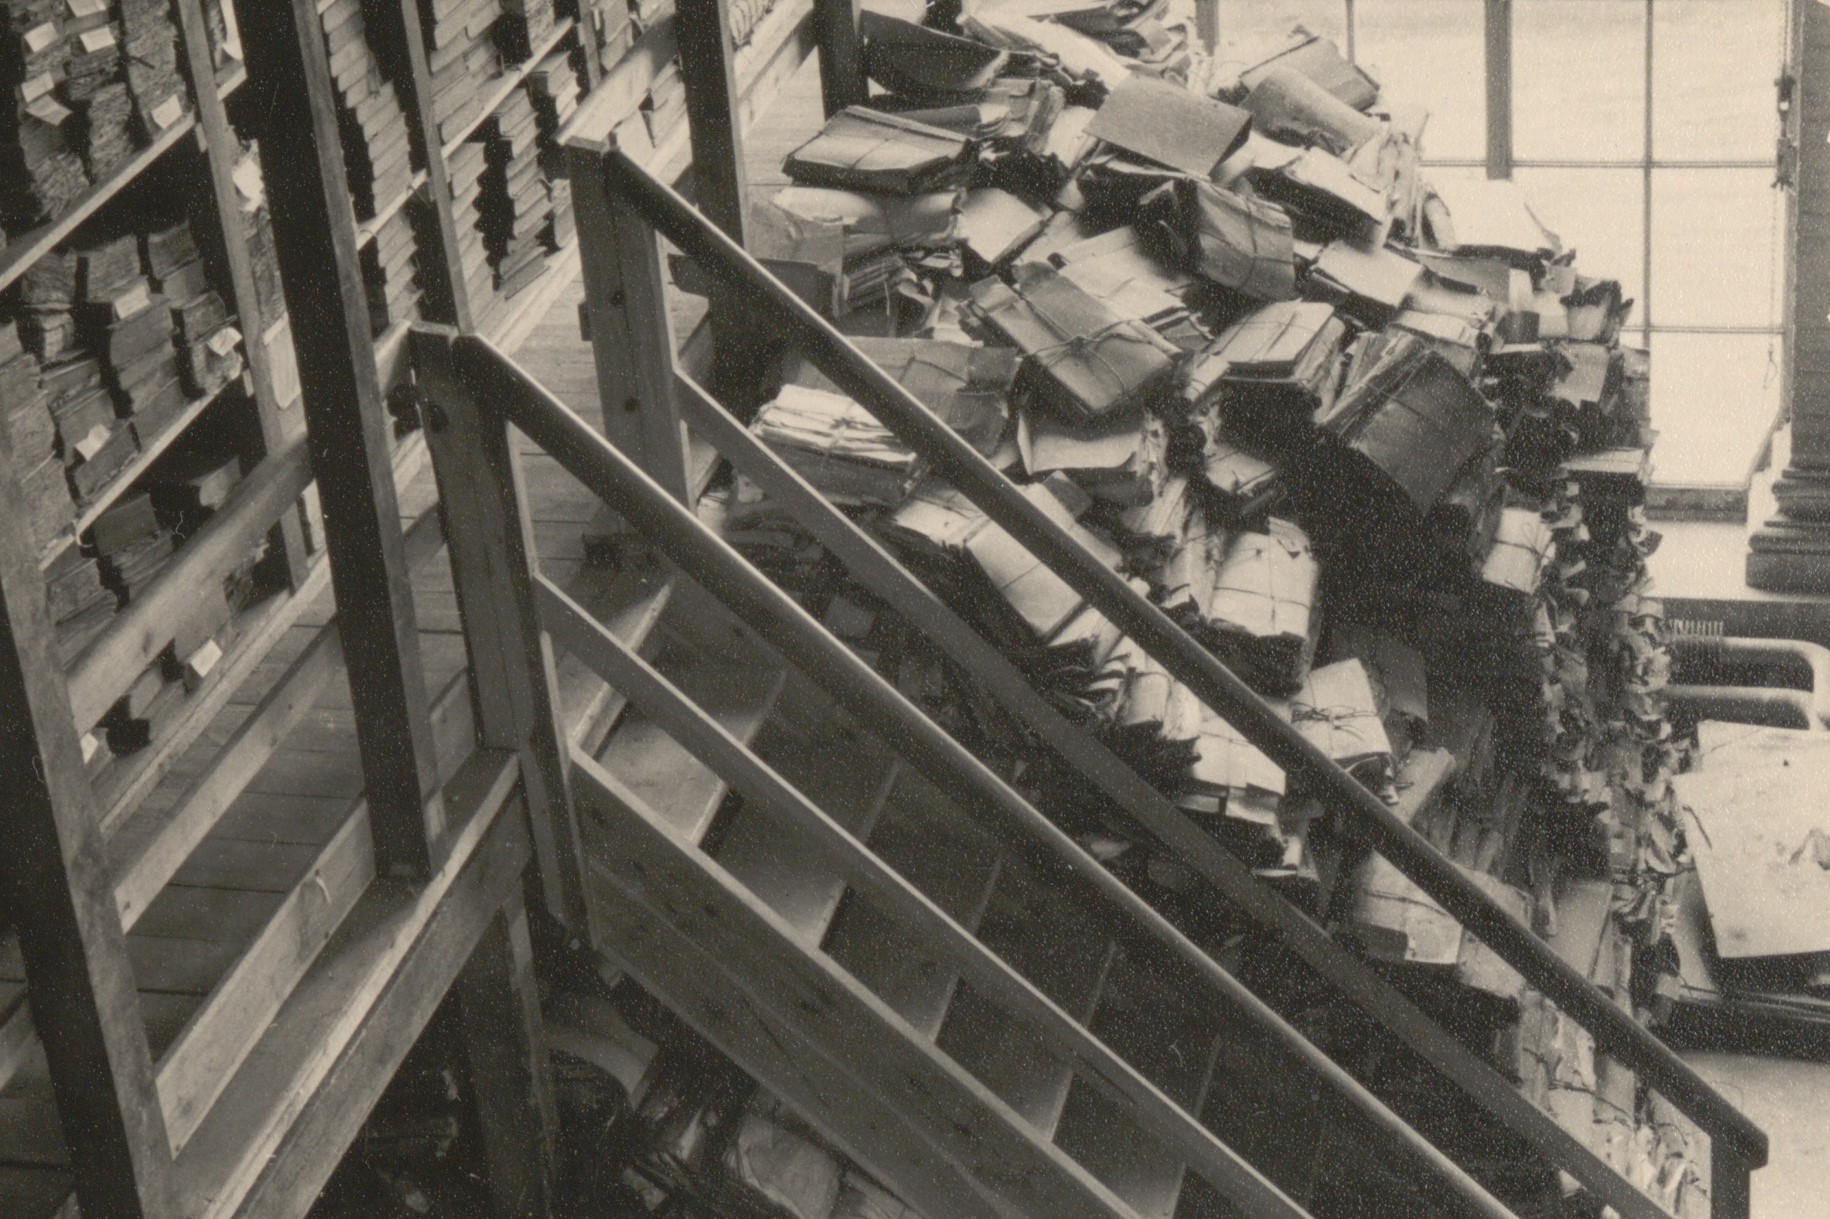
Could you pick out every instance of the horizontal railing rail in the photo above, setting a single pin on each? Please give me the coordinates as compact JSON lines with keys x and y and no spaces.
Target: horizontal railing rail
{"x":1615,"y":1031}
{"x":703,"y":557}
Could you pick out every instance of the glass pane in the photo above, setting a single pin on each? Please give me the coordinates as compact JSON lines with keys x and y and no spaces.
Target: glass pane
{"x":1713,"y":400}
{"x":1579,"y":80}
{"x":1714,"y":63}
{"x":1599,"y":213}
{"x":1251,"y":28}
{"x":1716,"y":247}
{"x":1430,"y":53}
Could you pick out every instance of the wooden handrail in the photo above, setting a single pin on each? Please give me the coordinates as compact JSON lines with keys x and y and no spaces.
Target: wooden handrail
{"x":490,"y":376}
{"x":1615,"y":1031}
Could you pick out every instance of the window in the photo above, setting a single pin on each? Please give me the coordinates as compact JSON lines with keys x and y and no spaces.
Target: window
{"x":1644,"y":132}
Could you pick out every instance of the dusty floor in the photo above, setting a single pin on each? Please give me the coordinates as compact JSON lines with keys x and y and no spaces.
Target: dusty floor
{"x":1790,"y":1100}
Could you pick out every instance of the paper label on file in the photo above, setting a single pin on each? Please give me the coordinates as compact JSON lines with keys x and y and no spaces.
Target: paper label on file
{"x":248,"y":181}
{"x":98,"y":39}
{"x":127,"y":305}
{"x":37,"y":87}
{"x":92,"y":444}
{"x":49,"y":111}
{"x":40,"y":37}
{"x":224,"y":340}
{"x":168,"y":111}
{"x":204,"y":659}
{"x":87,"y":8}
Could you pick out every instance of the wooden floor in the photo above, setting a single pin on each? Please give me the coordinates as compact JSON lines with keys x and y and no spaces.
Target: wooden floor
{"x":268,"y":885}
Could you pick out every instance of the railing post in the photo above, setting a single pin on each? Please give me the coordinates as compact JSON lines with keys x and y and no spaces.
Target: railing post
{"x":626,"y":307}
{"x":58,"y":891}
{"x":721,"y":186}
{"x":348,"y":428}
{"x":841,"y":51}
{"x":1729,"y":1194}
{"x":491,"y":544}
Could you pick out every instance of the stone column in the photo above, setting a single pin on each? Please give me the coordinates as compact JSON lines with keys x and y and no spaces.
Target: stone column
{"x":1791,"y":551}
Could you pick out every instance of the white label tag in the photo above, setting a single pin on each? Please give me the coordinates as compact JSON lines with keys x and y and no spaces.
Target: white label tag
{"x":37,"y":87}
{"x":39,"y":38}
{"x":204,"y":659}
{"x":168,"y":111}
{"x":49,"y":111}
{"x":87,"y":8}
{"x":132,"y":302}
{"x":247,"y":177}
{"x":92,"y":444}
{"x":99,"y":39}
{"x":224,"y":340}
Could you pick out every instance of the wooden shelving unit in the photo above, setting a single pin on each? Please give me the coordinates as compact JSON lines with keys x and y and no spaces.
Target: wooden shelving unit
{"x":238,"y":1095}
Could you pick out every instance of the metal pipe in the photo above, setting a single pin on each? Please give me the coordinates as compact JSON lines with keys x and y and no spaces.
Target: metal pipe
{"x":1747,"y":705}
{"x":1808,"y":663}
{"x":1615,"y":1031}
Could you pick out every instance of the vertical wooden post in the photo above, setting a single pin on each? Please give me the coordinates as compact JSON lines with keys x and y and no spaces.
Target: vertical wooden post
{"x":221,"y":149}
{"x":446,"y":281}
{"x":626,"y":306}
{"x":56,"y":888}
{"x":1499,"y":88}
{"x":842,"y":81}
{"x":1207,"y":24}
{"x":315,"y":233}
{"x":491,"y":544}
{"x":1729,"y":1193}
{"x":721,"y":187}
{"x":508,"y":1066}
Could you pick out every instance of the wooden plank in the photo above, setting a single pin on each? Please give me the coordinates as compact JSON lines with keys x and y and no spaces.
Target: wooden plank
{"x":203,"y":1059}
{"x":441,"y":277}
{"x":55,"y":883}
{"x":141,"y":631}
{"x":508,"y":1066}
{"x":268,"y":1126}
{"x":222,"y":148}
{"x":348,"y":433}
{"x":491,"y":549}
{"x":842,"y":771}
{"x":842,"y":81}
{"x":664,"y":771}
{"x":811,"y":1033}
{"x":720,"y":181}
{"x":148,"y":849}
{"x":1056,"y":967}
{"x":631,"y":337}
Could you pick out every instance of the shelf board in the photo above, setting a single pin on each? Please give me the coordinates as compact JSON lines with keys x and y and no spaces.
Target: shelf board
{"x":506,"y":84}
{"x":365,"y":232}
{"x":131,"y":473}
{"x":24,"y":251}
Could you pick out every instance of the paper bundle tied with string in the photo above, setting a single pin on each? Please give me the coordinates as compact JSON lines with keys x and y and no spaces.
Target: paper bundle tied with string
{"x":1232,"y":776}
{"x":864,"y":149}
{"x":1272,"y":371}
{"x":1338,"y":712}
{"x":1081,"y":360}
{"x":838,"y":446}
{"x":966,"y":386}
{"x":1261,"y":619}
{"x":1522,"y":546}
{"x":1237,"y":242}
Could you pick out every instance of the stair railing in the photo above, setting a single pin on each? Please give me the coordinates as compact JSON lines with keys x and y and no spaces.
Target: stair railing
{"x":1737,"y":1144}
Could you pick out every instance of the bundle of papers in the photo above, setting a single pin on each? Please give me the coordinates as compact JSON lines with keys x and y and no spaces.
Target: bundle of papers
{"x":836,"y":445}
{"x":1237,"y":242}
{"x":1261,"y":617}
{"x":1273,"y":371}
{"x":967,"y":387}
{"x":1081,"y":360}
{"x":864,"y":149}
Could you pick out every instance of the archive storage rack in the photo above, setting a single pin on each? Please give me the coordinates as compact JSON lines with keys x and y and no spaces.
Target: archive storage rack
{"x":373,"y":163}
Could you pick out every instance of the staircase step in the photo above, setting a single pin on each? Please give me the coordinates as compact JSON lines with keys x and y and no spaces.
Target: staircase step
{"x":921,"y":836}
{"x":1159,"y":1026}
{"x":1066,"y":956}
{"x":846,"y":773}
{"x":658,"y":768}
